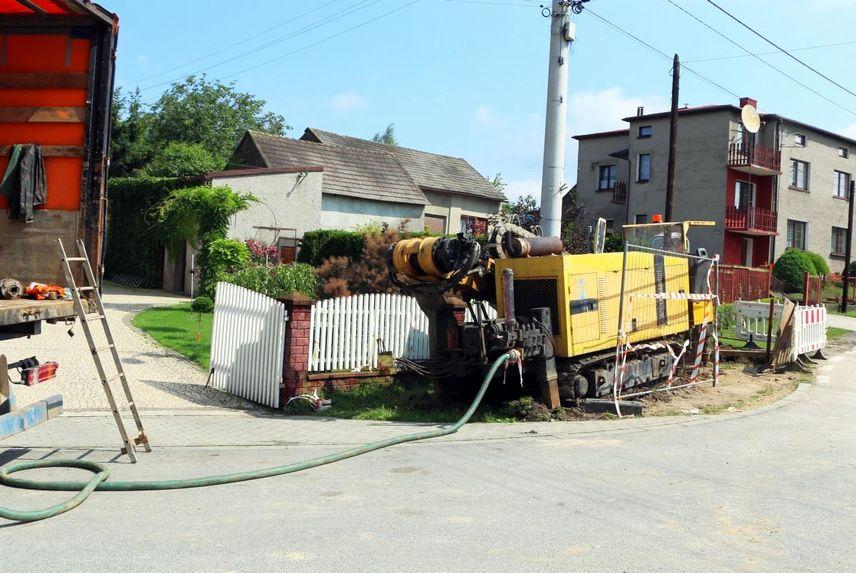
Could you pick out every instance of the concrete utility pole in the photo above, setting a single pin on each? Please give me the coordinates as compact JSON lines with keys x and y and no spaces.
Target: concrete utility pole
{"x":847,"y":249}
{"x":673,"y":140}
{"x":553,"y":172}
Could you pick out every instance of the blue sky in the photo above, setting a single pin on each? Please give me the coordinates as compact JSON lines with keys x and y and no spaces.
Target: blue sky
{"x":468,"y":77}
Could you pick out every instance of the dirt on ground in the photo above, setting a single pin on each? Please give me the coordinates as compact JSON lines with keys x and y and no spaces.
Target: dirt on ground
{"x":740,"y":387}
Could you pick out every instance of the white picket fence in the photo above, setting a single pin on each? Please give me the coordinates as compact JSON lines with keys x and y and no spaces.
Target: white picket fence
{"x":809,"y":329}
{"x":247,"y":341}
{"x":347,"y":333}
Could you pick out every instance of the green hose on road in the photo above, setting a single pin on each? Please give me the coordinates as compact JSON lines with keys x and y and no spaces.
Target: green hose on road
{"x":100,"y":481}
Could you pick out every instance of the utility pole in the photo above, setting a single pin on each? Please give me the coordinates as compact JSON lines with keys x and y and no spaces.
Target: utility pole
{"x":673,"y":140}
{"x":847,"y":248}
{"x":553,"y":171}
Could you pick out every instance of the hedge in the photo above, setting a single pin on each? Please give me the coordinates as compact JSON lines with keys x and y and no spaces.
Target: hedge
{"x":820,"y":264}
{"x":320,"y":245}
{"x":133,"y":246}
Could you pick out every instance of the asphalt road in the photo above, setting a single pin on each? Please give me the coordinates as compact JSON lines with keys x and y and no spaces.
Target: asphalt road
{"x":769,"y":491}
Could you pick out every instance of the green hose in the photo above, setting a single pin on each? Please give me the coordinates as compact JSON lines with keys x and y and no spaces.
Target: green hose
{"x":101,"y":473}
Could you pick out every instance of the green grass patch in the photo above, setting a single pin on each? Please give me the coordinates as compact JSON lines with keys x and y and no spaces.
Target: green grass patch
{"x":833,"y":332}
{"x":402,"y":401}
{"x":850,"y":313}
{"x":175,"y":327}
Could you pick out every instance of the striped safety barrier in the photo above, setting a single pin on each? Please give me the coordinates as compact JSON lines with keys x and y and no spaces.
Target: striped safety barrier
{"x":809,"y":329}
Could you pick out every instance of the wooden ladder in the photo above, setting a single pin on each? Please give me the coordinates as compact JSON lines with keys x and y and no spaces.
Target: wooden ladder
{"x":86,"y":320}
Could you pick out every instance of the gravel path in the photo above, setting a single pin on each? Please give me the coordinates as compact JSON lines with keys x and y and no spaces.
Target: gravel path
{"x":160,"y":378}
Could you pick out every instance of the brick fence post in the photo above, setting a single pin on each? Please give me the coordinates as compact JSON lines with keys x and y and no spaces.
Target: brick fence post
{"x":295,"y":353}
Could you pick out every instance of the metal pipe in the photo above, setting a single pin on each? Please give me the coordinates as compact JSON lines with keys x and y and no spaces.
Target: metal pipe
{"x":534,"y":246}
{"x":508,"y":296}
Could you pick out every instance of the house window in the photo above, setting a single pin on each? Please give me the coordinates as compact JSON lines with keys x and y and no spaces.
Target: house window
{"x":843,"y":152}
{"x":645,"y":131}
{"x":641,"y":219}
{"x":839,"y":241}
{"x":799,"y":174}
{"x":435,"y":224}
{"x":610,"y":226}
{"x":744,"y":195}
{"x":799,"y":140}
{"x":473,"y":226}
{"x":842,"y":184}
{"x":796,"y":234}
{"x":606,"y":178}
{"x":643,"y":168}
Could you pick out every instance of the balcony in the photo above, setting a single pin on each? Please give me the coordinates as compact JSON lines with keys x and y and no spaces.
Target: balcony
{"x":750,"y":221}
{"x":619,"y":193}
{"x":754,"y":159}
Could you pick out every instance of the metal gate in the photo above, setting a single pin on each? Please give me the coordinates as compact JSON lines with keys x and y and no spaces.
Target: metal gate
{"x":247,"y":344}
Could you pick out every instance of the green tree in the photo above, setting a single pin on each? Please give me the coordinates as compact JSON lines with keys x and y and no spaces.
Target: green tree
{"x":210,"y":113}
{"x":130,"y":145}
{"x":498,"y":183}
{"x":387,"y":136}
{"x":180,"y":159}
{"x":574,"y":226}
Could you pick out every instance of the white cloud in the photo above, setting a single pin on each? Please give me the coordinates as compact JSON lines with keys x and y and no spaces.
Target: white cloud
{"x":347,"y":101}
{"x":486,"y":116}
{"x":849,"y":131}
{"x":143,"y":59}
{"x":603,"y":110}
{"x":521,"y":187}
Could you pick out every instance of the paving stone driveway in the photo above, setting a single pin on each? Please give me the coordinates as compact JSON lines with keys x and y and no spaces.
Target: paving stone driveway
{"x":160,"y":378}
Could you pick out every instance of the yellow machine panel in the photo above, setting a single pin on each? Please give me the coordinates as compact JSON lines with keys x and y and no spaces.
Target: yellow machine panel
{"x":583,"y":291}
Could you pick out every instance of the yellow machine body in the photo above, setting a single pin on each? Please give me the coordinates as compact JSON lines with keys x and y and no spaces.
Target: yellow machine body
{"x":583,"y":292}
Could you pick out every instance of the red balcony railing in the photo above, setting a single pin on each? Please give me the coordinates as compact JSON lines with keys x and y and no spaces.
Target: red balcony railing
{"x":750,"y":219}
{"x":619,"y":193}
{"x":757,"y":156}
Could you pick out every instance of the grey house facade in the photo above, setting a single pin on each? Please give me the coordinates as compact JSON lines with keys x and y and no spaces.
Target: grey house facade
{"x":783,"y":186}
{"x":363,"y":182}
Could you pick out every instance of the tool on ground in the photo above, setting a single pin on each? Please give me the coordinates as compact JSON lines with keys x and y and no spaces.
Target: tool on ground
{"x":101,"y":317}
{"x":101,"y":473}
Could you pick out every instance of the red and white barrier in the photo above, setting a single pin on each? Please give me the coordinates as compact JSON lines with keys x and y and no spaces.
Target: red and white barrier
{"x":809,"y":329}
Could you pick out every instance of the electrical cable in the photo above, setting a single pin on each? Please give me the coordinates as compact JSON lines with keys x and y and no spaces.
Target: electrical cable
{"x":100,"y":479}
{"x":738,"y":56}
{"x":235,"y":44}
{"x":759,"y":58}
{"x":352,"y":9}
{"x":796,"y":59}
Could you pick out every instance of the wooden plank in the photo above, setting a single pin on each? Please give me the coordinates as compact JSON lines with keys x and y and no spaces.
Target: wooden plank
{"x":51,"y":150}
{"x":33,"y":6}
{"x":39,"y":80}
{"x":20,"y":420}
{"x":42,"y":114}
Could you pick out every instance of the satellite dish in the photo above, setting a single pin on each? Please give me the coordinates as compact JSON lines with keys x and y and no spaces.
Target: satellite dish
{"x":751,"y":119}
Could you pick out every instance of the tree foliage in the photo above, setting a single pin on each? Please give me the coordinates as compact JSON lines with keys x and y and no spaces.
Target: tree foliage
{"x":197,"y":111}
{"x":499,"y":183}
{"x":200,"y":216}
{"x":179,"y":159}
{"x":277,"y":281}
{"x":791,"y":268}
{"x":387,"y":136}
{"x":574,"y":225}
{"x":343,"y":276}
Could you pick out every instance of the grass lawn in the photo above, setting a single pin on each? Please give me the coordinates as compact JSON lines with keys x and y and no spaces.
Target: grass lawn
{"x":850,"y":313}
{"x":833,"y":333}
{"x":175,"y":327}
{"x":402,"y":401}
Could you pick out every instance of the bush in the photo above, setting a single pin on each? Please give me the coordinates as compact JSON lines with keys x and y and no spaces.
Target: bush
{"x":528,"y":410}
{"x":853,"y":268}
{"x":262,"y":254}
{"x":791,"y":268}
{"x":319,"y":245}
{"x":613,"y":243}
{"x":227,"y":255}
{"x":725,"y":317}
{"x":820,"y":264}
{"x":179,"y":159}
{"x":202,"y":304}
{"x":275,"y":282}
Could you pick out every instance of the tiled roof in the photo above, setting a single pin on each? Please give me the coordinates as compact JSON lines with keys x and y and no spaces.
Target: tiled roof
{"x":348,"y":171}
{"x":428,"y":170}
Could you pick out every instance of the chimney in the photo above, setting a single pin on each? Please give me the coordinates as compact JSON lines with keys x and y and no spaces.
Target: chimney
{"x":640,"y":111}
{"x":748,"y":101}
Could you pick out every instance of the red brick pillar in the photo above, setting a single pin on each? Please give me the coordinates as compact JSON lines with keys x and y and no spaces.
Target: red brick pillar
{"x":296,"y":351}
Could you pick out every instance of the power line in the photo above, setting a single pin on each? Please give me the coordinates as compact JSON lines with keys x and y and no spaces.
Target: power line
{"x":353,"y":8}
{"x":491,"y":3}
{"x":238,"y":43}
{"x":796,"y":59}
{"x":738,"y":56}
{"x":328,"y":38}
{"x":758,"y":57}
{"x":660,"y":52}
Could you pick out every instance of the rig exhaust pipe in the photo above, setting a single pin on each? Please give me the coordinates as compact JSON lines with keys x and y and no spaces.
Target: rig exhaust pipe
{"x":518,"y":247}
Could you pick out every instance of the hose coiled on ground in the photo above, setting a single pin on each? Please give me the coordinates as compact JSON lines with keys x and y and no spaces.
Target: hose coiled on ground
{"x":100,"y":480}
